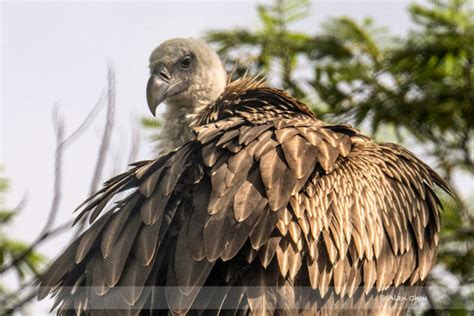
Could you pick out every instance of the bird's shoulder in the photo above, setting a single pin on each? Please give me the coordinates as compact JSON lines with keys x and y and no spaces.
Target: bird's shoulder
{"x":285,"y":152}
{"x":250,"y":98}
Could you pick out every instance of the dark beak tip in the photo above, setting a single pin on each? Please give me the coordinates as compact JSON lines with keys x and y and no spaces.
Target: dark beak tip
{"x":151,"y":105}
{"x":152,"y":108}
{"x":156,"y":92}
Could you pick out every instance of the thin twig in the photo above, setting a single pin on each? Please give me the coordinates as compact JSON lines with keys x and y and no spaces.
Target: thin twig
{"x":105,"y":142}
{"x":132,"y":156}
{"x":10,"y":310}
{"x":59,"y":132}
{"x":21,"y":289}
{"x":109,"y":123}
{"x":61,"y":143}
{"x":51,"y":233}
{"x":43,"y":237}
{"x":86,"y":122}
{"x":58,"y":163}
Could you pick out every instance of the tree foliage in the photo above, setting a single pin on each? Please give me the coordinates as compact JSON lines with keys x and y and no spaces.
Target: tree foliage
{"x":11,"y":248}
{"x":274,"y":48}
{"x":421,"y":84}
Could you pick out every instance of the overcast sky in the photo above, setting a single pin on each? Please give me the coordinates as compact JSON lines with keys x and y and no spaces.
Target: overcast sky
{"x":57,"y":53}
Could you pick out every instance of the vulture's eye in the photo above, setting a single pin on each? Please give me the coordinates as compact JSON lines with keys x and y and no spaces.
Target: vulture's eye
{"x":186,"y":62}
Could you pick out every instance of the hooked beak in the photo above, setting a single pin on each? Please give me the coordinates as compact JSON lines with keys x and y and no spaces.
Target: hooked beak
{"x":160,"y":87}
{"x":157,"y":89}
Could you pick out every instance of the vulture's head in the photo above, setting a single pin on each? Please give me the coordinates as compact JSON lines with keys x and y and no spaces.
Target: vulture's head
{"x":185,"y":72}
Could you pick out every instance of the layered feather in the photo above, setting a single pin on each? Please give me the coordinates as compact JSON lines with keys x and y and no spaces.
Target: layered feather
{"x":265,"y":194}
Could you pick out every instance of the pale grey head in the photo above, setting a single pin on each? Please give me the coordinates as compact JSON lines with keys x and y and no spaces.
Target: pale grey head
{"x":187,"y":75}
{"x":184,"y":71}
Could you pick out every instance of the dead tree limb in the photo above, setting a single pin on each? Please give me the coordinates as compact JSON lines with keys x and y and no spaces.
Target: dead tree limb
{"x":47,"y":232}
{"x":105,"y":142}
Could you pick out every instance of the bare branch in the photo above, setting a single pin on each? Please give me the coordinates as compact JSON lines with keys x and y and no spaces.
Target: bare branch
{"x":105,"y":142}
{"x":61,"y":143}
{"x":21,"y":289}
{"x":43,"y":237}
{"x":106,"y":136}
{"x":86,"y":123}
{"x":58,"y":163}
{"x":18,"y":305}
{"x":58,"y":124}
{"x":51,"y":233}
{"x":132,"y":156}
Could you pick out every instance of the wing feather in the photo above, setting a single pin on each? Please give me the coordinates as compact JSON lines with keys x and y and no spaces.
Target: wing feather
{"x":112,"y":233}
{"x":115,"y":263}
{"x":320,"y":205}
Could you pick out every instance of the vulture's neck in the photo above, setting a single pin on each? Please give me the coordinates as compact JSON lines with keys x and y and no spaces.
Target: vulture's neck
{"x":179,"y":116}
{"x":180,"y":113}
{"x":175,"y":130}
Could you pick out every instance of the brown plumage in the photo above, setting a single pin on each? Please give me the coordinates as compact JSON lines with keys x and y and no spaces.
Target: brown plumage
{"x":319,"y":204}
{"x":265,"y":209}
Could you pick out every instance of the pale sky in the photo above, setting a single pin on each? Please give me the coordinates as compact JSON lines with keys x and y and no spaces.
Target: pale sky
{"x":57,"y":52}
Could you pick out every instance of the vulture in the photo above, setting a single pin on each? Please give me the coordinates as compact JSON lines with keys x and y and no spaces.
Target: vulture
{"x":255,"y":207}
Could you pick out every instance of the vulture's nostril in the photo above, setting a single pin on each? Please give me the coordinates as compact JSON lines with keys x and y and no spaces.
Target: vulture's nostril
{"x":165,"y":75}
